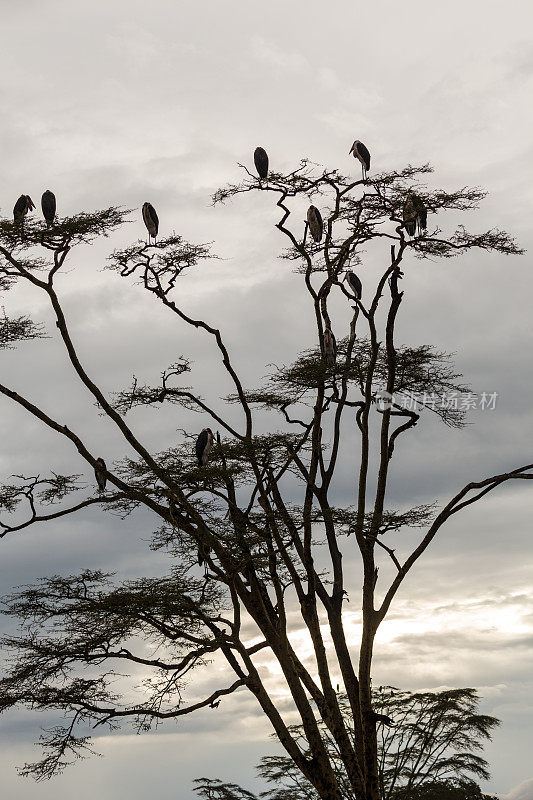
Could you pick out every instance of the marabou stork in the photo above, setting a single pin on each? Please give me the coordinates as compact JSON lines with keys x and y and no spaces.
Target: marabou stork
{"x":415,"y":215}
{"x":48,"y":205}
{"x":382,"y":718}
{"x":172,"y":509}
{"x":151,"y":220}
{"x":261,"y":162}
{"x":100,"y":474}
{"x":354,"y":283}
{"x":361,"y":153}
{"x":409,"y":215}
{"x":204,"y":445}
{"x":21,"y":207}
{"x":314,"y":220}
{"x":421,"y":214}
{"x":330,"y":348}
{"x":203,"y":551}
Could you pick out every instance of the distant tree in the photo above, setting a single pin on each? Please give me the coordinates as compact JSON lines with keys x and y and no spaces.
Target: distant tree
{"x":445,"y":790}
{"x":260,"y":516}
{"x":436,"y":738}
{"x":432,"y":750}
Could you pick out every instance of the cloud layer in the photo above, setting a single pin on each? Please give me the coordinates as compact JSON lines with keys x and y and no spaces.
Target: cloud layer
{"x":120,"y":103}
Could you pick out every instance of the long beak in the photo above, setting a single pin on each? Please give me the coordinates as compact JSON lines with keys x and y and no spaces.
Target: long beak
{"x":345,"y":276}
{"x":351,"y":150}
{"x":30,"y":203}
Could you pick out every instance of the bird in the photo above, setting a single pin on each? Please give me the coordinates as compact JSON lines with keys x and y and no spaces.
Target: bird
{"x":361,"y":153}
{"x":409,"y":215}
{"x":383,"y":718}
{"x":214,"y":705}
{"x":261,"y":162}
{"x":330,"y":348}
{"x":22,"y":206}
{"x":354,"y":283}
{"x":421,"y":214}
{"x":172,"y":509}
{"x":100,"y":474}
{"x":415,"y":214}
{"x":314,"y":220}
{"x":48,"y":205}
{"x":204,"y":445}
{"x":203,"y":552}
{"x":151,"y":220}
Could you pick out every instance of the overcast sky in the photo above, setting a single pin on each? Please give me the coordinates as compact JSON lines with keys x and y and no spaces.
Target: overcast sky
{"x":121,"y":102}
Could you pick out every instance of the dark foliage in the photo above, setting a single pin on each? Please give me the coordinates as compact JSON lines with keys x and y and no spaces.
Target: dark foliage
{"x":261,"y":512}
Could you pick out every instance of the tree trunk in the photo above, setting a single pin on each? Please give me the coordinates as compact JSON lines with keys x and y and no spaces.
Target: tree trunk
{"x":370,"y":755}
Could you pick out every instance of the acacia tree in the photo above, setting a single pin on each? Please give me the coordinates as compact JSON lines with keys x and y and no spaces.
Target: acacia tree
{"x":261,"y":514}
{"x":428,"y":747}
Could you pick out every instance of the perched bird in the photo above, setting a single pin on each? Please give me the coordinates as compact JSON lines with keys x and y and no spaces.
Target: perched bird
{"x":203,"y":552}
{"x":330,"y":348}
{"x":354,"y":283}
{"x":261,"y":162}
{"x":204,"y":445}
{"x":361,"y":153}
{"x":409,"y":215}
{"x":421,"y":214}
{"x":100,"y":474}
{"x":22,"y":206}
{"x":314,"y":220}
{"x":415,"y":215}
{"x":382,"y":718}
{"x":48,"y":205}
{"x":151,"y":220}
{"x":172,"y":509}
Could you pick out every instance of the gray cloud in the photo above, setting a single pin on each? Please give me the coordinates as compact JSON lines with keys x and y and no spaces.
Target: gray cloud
{"x":107,"y":103}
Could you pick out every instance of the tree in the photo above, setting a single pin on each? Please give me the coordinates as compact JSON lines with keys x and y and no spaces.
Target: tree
{"x":428,"y":747}
{"x":436,"y":740}
{"x":260,"y":514}
{"x":442,"y":790}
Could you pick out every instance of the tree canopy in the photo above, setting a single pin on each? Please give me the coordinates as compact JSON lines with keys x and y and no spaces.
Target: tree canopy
{"x":429,"y":747}
{"x":255,"y":536}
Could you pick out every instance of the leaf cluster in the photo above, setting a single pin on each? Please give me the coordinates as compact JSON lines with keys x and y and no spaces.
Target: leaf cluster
{"x":391,"y":521}
{"x":18,"y":329}
{"x":65,"y":232}
{"x":158,"y":265}
{"x":429,"y":754}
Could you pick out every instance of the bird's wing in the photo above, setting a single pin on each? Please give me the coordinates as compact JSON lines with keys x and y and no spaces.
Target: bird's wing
{"x":48,"y":204}
{"x":363,"y":151}
{"x":261,"y":161}
{"x":201,"y":443}
{"x":153,"y":214}
{"x":358,"y":286}
{"x":20,"y":205}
